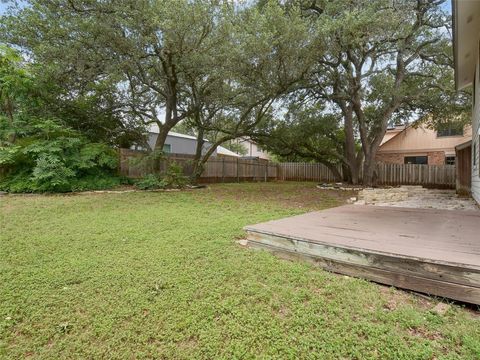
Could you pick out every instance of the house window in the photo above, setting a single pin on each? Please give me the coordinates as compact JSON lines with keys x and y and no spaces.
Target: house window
{"x":167,"y":148}
{"x":423,"y":160}
{"x":449,"y":160}
{"x":450,"y":131}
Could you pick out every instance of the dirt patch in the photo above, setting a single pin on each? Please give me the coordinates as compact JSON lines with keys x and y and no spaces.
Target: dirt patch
{"x":395,"y":298}
{"x":424,"y":333}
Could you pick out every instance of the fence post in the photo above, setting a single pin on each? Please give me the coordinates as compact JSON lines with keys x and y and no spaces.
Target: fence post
{"x":266,"y":171}
{"x":223,"y":169}
{"x":238,"y":175}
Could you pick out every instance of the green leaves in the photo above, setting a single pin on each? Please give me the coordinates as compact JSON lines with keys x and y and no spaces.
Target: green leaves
{"x":52,"y":157}
{"x":51,"y":172}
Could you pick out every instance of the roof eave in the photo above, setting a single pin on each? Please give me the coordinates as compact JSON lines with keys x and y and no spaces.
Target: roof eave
{"x":455,"y":41}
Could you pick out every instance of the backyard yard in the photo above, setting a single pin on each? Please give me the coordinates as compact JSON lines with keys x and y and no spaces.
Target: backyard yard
{"x":161,"y":275}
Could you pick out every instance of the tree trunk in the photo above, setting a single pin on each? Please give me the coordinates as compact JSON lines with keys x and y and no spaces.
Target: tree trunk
{"x":350,"y":152}
{"x":370,"y":150}
{"x":197,"y":163}
{"x":369,"y":176}
{"x":162,"y":137}
{"x":336,"y":173}
{"x":347,"y":176}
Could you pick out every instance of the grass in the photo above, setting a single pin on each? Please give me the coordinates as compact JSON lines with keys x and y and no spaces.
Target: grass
{"x":160,"y":275}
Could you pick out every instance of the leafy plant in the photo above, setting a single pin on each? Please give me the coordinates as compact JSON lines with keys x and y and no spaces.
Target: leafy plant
{"x":150,"y":182}
{"x":173,"y":178}
{"x":50,"y":157}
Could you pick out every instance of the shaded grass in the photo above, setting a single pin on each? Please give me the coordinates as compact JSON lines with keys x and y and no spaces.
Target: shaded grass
{"x":159,"y":275}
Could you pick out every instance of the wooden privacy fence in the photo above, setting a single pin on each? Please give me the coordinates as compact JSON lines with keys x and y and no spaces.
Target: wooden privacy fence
{"x":216,"y":169}
{"x":387,"y":174}
{"x":412,"y":174}
{"x":306,"y":172}
{"x":227,"y":169}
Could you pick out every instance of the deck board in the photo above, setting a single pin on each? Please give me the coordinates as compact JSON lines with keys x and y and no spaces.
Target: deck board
{"x":425,"y":245}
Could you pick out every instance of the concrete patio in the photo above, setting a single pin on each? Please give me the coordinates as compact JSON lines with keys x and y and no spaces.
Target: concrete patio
{"x":427,"y":250}
{"x":416,"y":197}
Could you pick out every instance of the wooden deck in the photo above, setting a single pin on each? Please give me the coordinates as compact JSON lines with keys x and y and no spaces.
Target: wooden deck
{"x":430,"y":251}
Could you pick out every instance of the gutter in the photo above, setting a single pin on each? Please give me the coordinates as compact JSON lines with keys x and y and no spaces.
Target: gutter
{"x":455,"y":42}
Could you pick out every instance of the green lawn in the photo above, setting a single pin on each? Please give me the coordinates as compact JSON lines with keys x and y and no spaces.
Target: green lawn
{"x":160,"y":275}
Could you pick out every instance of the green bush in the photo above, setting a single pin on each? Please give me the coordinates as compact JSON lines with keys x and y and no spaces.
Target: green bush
{"x":173,"y":178}
{"x":151,"y":182}
{"x":49,"y":157}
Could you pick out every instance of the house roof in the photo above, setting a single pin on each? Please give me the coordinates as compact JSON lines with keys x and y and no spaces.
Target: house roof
{"x":418,"y":137}
{"x":220,"y":149}
{"x":466,"y":27}
{"x":224,"y":151}
{"x":175,"y":134}
{"x":395,"y":131}
{"x":463,"y":145}
{"x":391,"y":133}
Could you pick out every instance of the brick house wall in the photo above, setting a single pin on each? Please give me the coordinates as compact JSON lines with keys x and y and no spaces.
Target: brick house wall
{"x":434,"y":157}
{"x":390,"y":158}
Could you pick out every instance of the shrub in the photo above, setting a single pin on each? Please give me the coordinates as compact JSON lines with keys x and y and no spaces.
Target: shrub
{"x":173,"y":178}
{"x":49,"y":157}
{"x":151,"y":182}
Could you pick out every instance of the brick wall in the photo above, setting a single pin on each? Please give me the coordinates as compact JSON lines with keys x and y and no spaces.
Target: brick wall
{"x":434,"y":158}
{"x":390,"y":158}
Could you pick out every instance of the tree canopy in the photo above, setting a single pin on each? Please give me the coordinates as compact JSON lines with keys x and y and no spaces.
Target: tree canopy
{"x":318,"y":80}
{"x":385,"y":62}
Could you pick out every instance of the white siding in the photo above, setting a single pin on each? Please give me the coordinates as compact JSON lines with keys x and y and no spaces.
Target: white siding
{"x":475,"y":137}
{"x":252,"y":149}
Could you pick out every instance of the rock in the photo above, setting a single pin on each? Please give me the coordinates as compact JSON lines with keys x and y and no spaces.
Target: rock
{"x":441,"y":308}
{"x":3,"y":193}
{"x":243,"y":242}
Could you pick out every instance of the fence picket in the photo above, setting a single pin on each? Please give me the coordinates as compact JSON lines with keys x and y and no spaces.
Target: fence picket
{"x":235,"y":169}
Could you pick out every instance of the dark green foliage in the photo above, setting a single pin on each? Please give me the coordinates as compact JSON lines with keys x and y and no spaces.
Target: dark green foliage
{"x":39,"y":151}
{"x":173,"y":178}
{"x":150,"y":182}
{"x":50,"y":157}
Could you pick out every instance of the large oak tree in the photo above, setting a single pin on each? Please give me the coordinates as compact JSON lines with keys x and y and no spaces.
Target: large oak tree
{"x":385,"y":61}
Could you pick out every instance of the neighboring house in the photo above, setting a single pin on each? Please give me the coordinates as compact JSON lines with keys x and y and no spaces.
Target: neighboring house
{"x":253,"y":150}
{"x":466,"y":38}
{"x":176,"y":143}
{"x":421,"y":145}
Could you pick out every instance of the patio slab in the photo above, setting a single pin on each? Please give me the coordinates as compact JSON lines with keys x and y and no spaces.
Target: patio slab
{"x":416,"y":197}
